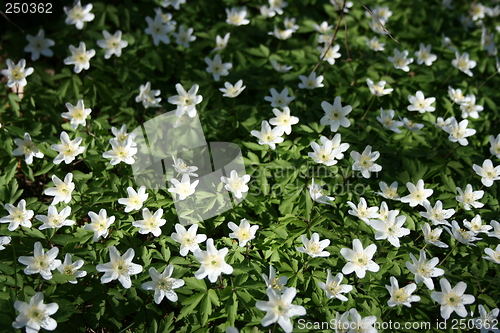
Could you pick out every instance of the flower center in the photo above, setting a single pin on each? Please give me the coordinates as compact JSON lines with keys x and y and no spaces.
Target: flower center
{"x":400,"y":295}
{"x":280,"y":308}
{"x":243,"y":234}
{"x":69,"y":270}
{"x":424,"y":269}
{"x":213,"y":262}
{"x":17,"y":73}
{"x":164,"y":284}
{"x":277,"y":285}
{"x":36,"y":314}
{"x":313,"y":248}
{"x":41,"y":262}
{"x":120,"y":267}
{"x":453,"y":299}
{"x":360,"y":259}
{"x":334,"y":287}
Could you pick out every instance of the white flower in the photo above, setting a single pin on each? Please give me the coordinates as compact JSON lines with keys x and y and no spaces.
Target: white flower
{"x":437,"y":215}
{"x":267,"y":136}
{"x":494,"y":142}
{"x":188,"y":239}
{"x":174,"y":3}
{"x":4,"y":240}
{"x":237,"y":185}
{"x":39,"y":45}
{"x":163,"y":284}
{"x":374,"y":44}
{"x":281,"y":34}
{"x":496,"y":229}
{"x":27,"y":148}
{"x":244,"y":232}
{"x":364,"y":162}
{"x":35,"y":315}
{"x":432,"y":236}
{"x":333,"y":286}
{"x":391,"y":229}
{"x":78,"y":15}
{"x":280,"y":67}
{"x":77,"y":114}
{"x":317,"y":194}
{"x":17,"y":216}
{"x":386,"y":119}
{"x":184,"y":37}
{"x":121,"y":135}
{"x":400,"y":60}
{"x":424,"y":270}
{"x":424,"y":55}
{"x":469,"y":197}
{"x":463,"y":236}
{"x":463,"y":63}
{"x":41,"y":262}
{"x":121,"y":151}
{"x":113,"y":44}
{"x":362,"y":211}
{"x":166,"y":18}
{"x":237,"y":16}
{"x":68,"y":149}
{"x":99,"y":224}
{"x":147,"y":96}
{"x":232,"y":91}
{"x":459,"y":131}
{"x":456,"y":95}
{"x":470,"y":108}
{"x":412,"y":126}
{"x":477,"y":11}
{"x":158,"y":29}
{"x":283,"y":120}
{"x":493,"y":255}
{"x":217,"y":68}
{"x":277,"y":6}
{"x":151,"y":223}
{"x":487,"y":320}
{"x":378,"y":89}
{"x":329,"y":53}
{"x":119,"y":267}
{"x":221,"y":42}
{"x":280,"y":309}
{"x":182,"y":168}
{"x":476,"y":225}
{"x":212,"y":262}
{"x":70,"y":268}
{"x":335,"y":114}
{"x":389,"y":192}
{"x":54,"y":219}
{"x":279,"y":100}
{"x":329,"y":152}
{"x":452,"y":299}
{"x":184,"y":188}
{"x":311,"y":81}
{"x":418,"y":195}
{"x":275,"y":283}
{"x":488,"y":173}
{"x":359,"y":259}
{"x":289,"y":23}
{"x":62,"y":189}
{"x":80,"y":57}
{"x":420,"y":103}
{"x":135,"y":199}
{"x":16,"y":73}
{"x":186,"y":101}
{"x":314,"y":247}
{"x":401,"y":296}
{"x":359,"y":324}
{"x":440,"y":122}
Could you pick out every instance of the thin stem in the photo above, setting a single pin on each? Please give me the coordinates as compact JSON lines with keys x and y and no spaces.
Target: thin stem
{"x":451,"y":251}
{"x":489,"y":77}
{"x":369,"y":106}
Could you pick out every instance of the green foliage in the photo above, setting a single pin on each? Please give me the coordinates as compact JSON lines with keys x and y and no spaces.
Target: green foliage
{"x":278,"y":199}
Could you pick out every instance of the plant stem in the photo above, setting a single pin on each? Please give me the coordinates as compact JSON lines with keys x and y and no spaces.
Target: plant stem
{"x":369,"y":106}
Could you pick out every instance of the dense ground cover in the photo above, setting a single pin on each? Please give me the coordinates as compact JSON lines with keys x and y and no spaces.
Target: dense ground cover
{"x":371,"y":195}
